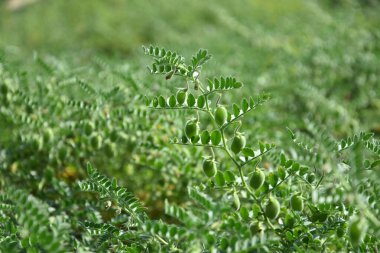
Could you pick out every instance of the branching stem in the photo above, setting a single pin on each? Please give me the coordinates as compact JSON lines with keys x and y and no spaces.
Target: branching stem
{"x":239,"y":166}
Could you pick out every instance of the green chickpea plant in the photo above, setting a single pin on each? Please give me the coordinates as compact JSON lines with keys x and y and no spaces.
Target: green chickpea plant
{"x":260,"y":198}
{"x":317,"y":194}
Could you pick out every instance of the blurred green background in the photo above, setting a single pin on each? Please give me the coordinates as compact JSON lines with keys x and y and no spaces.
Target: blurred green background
{"x":320,"y":60}
{"x":264,"y":43}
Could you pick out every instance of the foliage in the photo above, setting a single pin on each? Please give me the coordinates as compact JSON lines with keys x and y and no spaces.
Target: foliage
{"x":238,"y":206}
{"x":281,"y":229}
{"x":270,"y":145}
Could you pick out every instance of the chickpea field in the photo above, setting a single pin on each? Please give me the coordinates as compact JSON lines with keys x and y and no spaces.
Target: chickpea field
{"x":189,"y":126}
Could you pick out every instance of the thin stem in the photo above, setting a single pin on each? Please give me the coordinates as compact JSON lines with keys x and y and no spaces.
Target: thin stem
{"x":254,"y":197}
{"x":255,"y":157}
{"x":303,"y":180}
{"x":226,"y":188}
{"x":161,"y":240}
{"x":286,"y":178}
{"x":177,"y":107}
{"x":212,"y":152}
{"x":239,"y":116}
{"x":217,"y":101}
{"x":215,"y":91}
{"x":225,"y":148}
{"x":195,"y":144}
{"x":238,"y":127}
{"x":200,"y":85}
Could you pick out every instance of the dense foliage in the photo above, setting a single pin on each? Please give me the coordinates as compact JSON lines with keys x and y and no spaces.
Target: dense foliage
{"x":205,"y":153}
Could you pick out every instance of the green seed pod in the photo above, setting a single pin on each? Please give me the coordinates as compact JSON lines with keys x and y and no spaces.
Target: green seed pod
{"x":296,"y":202}
{"x":272,"y":208}
{"x":96,"y":141}
{"x":257,"y":179}
{"x":191,"y":128}
{"x":357,"y":230}
{"x":209,"y":168}
{"x":181,"y":97}
{"x":220,"y":115}
{"x":89,"y":127}
{"x":238,"y":143}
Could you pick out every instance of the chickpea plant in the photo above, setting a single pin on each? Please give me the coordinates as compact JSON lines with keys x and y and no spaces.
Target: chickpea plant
{"x":247,"y":208}
{"x":229,"y":193}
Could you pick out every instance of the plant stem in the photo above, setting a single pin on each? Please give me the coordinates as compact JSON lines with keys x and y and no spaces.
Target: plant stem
{"x":254,"y":197}
{"x":225,"y":148}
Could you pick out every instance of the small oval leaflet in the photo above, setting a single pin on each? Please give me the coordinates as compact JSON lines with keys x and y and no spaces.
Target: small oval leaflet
{"x":244,"y":105}
{"x":190,"y":100}
{"x":248,"y":152}
{"x":219,"y":179}
{"x":201,"y":101}
{"x":172,"y":101}
{"x":161,"y":101}
{"x":236,"y":110}
{"x":281,"y":173}
{"x":205,"y":137}
{"x":229,"y":176}
{"x":272,"y":179}
{"x":244,"y":213}
{"x":216,"y":137}
{"x":155,"y":102}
